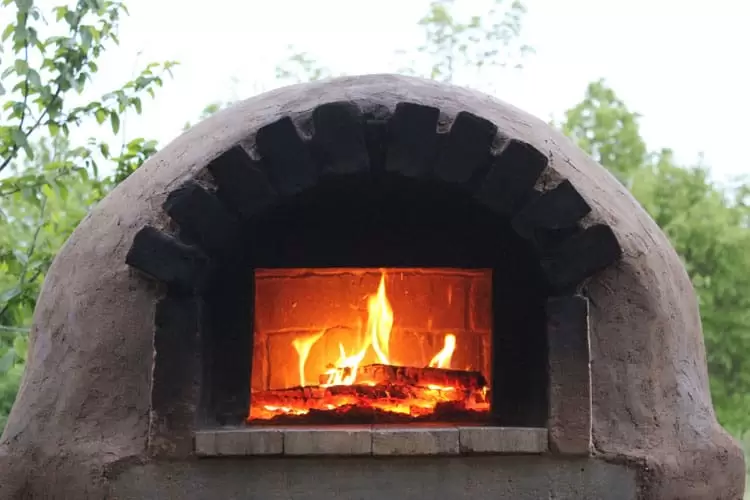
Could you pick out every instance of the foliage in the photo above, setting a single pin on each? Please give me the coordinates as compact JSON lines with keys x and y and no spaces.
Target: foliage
{"x":602,"y":125}
{"x":299,"y":67}
{"x":49,"y":178}
{"x":45,"y":73}
{"x":12,"y":363}
{"x":455,"y":45}
{"x":706,"y":223}
{"x":37,"y":222}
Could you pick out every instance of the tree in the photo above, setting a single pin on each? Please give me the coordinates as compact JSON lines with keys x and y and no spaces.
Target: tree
{"x":457,"y":47}
{"x":49,"y":178}
{"x":300,"y":67}
{"x":707,"y":224}
{"x":46,"y":71}
{"x":603,"y":126}
{"x":36,"y":224}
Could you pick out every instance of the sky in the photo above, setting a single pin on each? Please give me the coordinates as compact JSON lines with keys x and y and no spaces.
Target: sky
{"x":682,"y":64}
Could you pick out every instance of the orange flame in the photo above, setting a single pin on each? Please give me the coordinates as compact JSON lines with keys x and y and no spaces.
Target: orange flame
{"x":443,"y":358}
{"x":379,"y":326}
{"x":380,"y":322}
{"x":303,"y":345}
{"x":344,"y":372}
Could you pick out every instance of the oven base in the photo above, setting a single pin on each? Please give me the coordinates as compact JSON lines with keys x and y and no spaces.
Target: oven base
{"x":370,"y":478}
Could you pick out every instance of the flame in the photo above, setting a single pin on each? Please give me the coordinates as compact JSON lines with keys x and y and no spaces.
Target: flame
{"x":443,"y":358}
{"x":344,"y":372}
{"x":303,"y":345}
{"x":379,"y":326}
{"x":380,"y":322}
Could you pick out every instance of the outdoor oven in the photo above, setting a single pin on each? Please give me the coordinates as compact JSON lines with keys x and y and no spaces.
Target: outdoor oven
{"x":368,"y":287}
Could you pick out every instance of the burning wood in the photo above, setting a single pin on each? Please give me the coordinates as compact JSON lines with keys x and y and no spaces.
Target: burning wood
{"x":404,"y":390}
{"x":319,"y":397}
{"x":424,"y":377}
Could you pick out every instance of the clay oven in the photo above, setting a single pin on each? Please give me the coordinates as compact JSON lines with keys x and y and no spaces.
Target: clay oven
{"x":371,"y":287}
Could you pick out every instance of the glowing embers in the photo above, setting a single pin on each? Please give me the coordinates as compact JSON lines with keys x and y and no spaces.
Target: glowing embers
{"x":325,"y":352}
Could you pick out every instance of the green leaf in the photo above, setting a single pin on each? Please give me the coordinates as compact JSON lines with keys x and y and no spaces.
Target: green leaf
{"x":10,"y":294}
{"x":71,"y":18}
{"x":85,"y":38}
{"x":114,"y":118}
{"x":101,"y":115}
{"x":34,"y":78}
{"x":7,"y":361}
{"x":24,"y":5}
{"x":21,"y":346}
{"x":21,"y":66}
{"x":19,"y":138}
{"x":7,"y":32}
{"x":60,"y":12}
{"x":53,"y":128}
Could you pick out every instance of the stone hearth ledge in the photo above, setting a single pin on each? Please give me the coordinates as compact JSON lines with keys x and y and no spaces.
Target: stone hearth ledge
{"x":375,"y":440}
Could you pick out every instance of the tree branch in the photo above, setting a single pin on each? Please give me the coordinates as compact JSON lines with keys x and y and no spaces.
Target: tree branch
{"x":45,"y":111}
{"x":13,"y":152}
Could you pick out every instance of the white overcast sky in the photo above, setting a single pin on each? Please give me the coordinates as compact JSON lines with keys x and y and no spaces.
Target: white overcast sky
{"x":683,"y":64}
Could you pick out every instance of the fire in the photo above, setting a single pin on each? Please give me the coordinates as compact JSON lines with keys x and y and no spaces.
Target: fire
{"x":303,"y":345}
{"x":380,"y":322}
{"x":344,"y":372}
{"x":379,"y":326}
{"x":386,"y":386}
{"x":443,"y":358}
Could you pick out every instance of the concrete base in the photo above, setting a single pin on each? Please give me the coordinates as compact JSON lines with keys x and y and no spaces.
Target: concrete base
{"x":402,"y":478}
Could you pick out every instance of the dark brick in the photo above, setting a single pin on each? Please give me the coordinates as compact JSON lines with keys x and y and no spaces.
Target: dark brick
{"x":466,"y":148}
{"x":512,"y":177}
{"x":412,"y":139}
{"x":176,"y":376}
{"x":168,"y":260}
{"x":339,"y":139}
{"x":228,"y":349}
{"x":544,"y":240}
{"x":570,"y":376}
{"x":288,"y":162}
{"x":241,"y":182}
{"x":582,"y":255}
{"x":558,"y":208}
{"x":376,"y":136}
{"x":203,"y":217}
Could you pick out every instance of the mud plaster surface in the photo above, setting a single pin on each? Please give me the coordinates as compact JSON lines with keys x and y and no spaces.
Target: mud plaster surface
{"x":84,"y":400}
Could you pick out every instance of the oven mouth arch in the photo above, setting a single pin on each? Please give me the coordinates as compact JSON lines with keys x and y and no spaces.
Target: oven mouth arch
{"x":398,"y":223}
{"x":498,"y":173}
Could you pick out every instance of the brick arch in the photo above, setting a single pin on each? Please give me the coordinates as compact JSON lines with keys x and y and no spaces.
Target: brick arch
{"x":408,"y":143}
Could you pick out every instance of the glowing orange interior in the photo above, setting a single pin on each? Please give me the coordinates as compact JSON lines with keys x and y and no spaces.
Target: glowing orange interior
{"x":339,"y":345}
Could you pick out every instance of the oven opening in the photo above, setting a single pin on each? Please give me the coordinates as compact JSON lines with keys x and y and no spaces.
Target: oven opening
{"x":369,"y":346}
